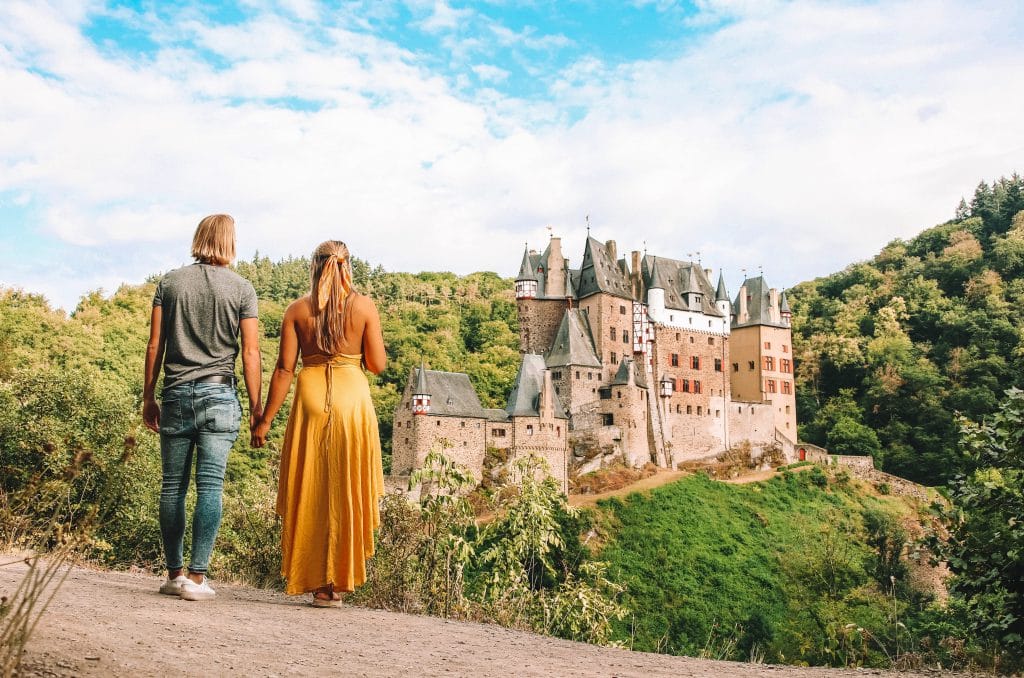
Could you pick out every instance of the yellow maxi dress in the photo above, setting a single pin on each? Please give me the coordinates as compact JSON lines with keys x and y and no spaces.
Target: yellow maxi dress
{"x":331,"y":477}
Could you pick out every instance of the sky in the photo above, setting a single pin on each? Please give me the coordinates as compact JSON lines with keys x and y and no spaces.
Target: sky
{"x":792,"y":138}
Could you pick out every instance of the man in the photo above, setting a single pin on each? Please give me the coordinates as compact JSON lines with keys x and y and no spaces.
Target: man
{"x":199,"y":311}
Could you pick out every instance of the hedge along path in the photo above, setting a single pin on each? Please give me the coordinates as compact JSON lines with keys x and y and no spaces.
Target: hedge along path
{"x":116,"y":624}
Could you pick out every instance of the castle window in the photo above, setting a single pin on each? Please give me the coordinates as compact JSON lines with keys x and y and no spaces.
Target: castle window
{"x":675,"y":360}
{"x":612,"y":334}
{"x":691,"y":336}
{"x":590,"y":375}
{"x":686,"y":386}
{"x":406,"y":441}
{"x":784,"y":365}
{"x":735,"y":367}
{"x":718,"y":364}
{"x":787,"y":409}
{"x":558,"y":431}
{"x":768,"y":344}
{"x":615,"y":358}
{"x":689,"y":409}
{"x":622,"y":310}
{"x":770,"y":385}
{"x":605,"y":393}
{"x":438,"y":422}
{"x":679,"y":408}
{"x":785,"y":349}
{"x":695,"y":362}
{"x":677,"y":336}
{"x":607,"y":419}
{"x":696,"y":386}
{"x":787,"y":388}
{"x":625,"y":336}
{"x":497,"y":432}
{"x":577,"y":374}
{"x":750,"y":364}
{"x":718,"y":413}
{"x":463,"y":424}
{"x":769,"y":363}
{"x":711,"y":340}
{"x":699,"y":410}
{"x":556,"y":375}
{"x":478,"y":424}
{"x":529,"y":429}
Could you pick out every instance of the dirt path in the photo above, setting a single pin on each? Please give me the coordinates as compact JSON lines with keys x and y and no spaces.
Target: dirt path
{"x":649,"y":483}
{"x":116,"y":624}
{"x":663,"y":477}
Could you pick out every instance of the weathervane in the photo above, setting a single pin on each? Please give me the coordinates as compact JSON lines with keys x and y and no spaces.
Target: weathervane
{"x":550,"y":232}
{"x":588,"y":223}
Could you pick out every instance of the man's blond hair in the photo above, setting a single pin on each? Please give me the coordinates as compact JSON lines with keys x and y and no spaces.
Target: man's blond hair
{"x":214,"y":241}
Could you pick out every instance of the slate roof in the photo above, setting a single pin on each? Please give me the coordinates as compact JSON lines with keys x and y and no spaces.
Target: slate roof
{"x":599,"y":273}
{"x":784,"y":305}
{"x":524,"y":400}
{"x":625,"y":367}
{"x":757,"y":306}
{"x":527,"y":270}
{"x":678,"y":278}
{"x":720,"y":293}
{"x":451,"y":394}
{"x":494,"y":414}
{"x":574,"y":342}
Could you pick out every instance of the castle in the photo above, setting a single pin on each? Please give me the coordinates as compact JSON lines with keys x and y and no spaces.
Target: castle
{"x":641,"y":359}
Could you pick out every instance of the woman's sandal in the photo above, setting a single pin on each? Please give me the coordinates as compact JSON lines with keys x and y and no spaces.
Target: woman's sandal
{"x":333,"y":601}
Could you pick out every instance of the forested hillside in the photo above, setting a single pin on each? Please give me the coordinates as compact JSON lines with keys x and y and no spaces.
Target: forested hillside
{"x":890,"y":350}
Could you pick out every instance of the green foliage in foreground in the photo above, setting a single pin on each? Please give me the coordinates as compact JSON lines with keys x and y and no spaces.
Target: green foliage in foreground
{"x":524,"y":569}
{"x":785,"y":571}
{"x":985,"y":524}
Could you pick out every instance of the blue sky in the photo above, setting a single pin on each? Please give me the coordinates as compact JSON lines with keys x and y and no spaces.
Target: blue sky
{"x":792,"y":136}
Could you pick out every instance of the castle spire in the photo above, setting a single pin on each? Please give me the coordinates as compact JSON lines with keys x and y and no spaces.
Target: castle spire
{"x":720,"y":293}
{"x":420,"y":392}
{"x":526,"y":281}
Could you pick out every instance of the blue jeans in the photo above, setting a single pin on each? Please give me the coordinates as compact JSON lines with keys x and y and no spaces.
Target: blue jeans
{"x":200,"y":418}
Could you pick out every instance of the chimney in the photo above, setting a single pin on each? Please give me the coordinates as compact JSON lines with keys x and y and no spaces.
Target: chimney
{"x":773,"y":305}
{"x":546,"y":406}
{"x":555,"y":269}
{"x":707,"y":272}
{"x":742,"y":313}
{"x":610,"y":246}
{"x":637,"y":278}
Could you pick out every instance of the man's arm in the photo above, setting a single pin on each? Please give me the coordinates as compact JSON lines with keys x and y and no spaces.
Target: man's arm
{"x":154,"y":360}
{"x":252,"y":367}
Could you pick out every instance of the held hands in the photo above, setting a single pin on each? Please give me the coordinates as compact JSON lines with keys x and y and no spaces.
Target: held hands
{"x":259,"y":433}
{"x":151,"y":415}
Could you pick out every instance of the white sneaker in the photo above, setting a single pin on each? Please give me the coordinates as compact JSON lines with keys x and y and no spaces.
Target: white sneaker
{"x":193,"y":591}
{"x":172,"y":587}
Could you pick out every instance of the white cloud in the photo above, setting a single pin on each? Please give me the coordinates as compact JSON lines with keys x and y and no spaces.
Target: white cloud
{"x":795,"y":136}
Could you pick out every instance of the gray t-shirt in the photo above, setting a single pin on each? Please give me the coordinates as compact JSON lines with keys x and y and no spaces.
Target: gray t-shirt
{"x":203,"y":307}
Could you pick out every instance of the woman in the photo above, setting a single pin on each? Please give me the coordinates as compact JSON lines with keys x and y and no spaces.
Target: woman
{"x":331,"y":476}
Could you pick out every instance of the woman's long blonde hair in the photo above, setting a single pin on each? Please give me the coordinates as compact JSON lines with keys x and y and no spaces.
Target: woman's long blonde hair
{"x":330,"y":273}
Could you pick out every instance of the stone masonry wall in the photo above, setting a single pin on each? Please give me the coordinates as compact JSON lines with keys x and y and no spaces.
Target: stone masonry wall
{"x":549,"y":440}
{"x":754,"y":422}
{"x":538,"y":323}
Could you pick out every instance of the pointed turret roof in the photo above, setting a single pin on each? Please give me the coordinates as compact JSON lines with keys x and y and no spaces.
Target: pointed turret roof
{"x":721,"y":294}
{"x":526,"y":270}
{"x":421,"y":380}
{"x":574,"y":342}
{"x":524,"y":400}
{"x":784,"y":304}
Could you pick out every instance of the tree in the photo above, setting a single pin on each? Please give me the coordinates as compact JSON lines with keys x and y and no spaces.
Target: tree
{"x":985,"y":522}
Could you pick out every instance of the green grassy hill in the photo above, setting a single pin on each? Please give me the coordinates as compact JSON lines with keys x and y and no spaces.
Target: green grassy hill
{"x":796,"y":569}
